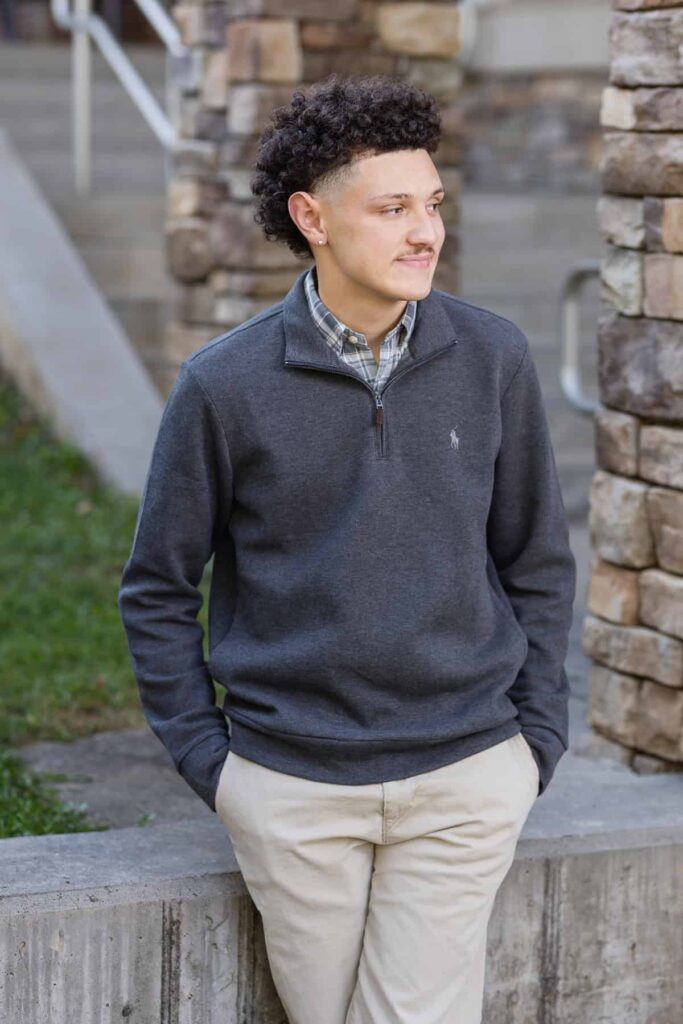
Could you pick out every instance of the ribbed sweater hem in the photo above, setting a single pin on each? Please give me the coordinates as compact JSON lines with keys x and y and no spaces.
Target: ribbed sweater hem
{"x":353,"y":762}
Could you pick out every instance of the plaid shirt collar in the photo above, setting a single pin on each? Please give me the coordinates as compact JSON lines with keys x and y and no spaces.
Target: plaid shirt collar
{"x":336,"y":333}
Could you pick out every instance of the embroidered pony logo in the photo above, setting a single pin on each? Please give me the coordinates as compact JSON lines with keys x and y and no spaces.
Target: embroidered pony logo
{"x":455,"y":440}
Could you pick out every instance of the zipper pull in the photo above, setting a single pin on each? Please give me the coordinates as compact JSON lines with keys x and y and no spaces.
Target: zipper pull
{"x":379,"y":412}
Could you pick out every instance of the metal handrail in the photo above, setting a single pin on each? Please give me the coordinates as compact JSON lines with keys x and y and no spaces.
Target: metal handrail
{"x":570,"y":336}
{"x":84,"y":26}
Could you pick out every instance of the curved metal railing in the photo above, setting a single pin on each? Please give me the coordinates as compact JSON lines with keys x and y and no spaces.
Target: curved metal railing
{"x":570,"y":336}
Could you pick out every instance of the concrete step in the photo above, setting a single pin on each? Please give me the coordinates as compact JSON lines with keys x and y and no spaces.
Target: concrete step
{"x":109,"y":220}
{"x":45,"y":132}
{"x":121,"y":241}
{"x":129,"y":271}
{"x":45,"y":96}
{"x":35,"y":111}
{"x":122,"y":173}
{"x":34,"y":62}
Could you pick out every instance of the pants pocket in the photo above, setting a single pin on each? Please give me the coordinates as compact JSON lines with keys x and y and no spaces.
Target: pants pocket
{"x":525,"y":756}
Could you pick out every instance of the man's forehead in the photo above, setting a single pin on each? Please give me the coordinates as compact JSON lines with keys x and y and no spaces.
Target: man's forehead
{"x":374,"y":179}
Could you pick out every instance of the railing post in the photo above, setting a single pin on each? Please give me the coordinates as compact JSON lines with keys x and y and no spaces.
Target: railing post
{"x":81,"y":61}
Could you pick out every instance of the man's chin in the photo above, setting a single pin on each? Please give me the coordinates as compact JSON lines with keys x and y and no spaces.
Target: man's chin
{"x":413,"y":294}
{"x":402,"y":291}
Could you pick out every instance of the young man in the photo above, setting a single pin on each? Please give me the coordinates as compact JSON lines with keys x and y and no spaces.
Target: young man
{"x":369,"y":463}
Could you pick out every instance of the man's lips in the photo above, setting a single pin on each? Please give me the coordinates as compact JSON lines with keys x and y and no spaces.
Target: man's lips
{"x":419,"y":262}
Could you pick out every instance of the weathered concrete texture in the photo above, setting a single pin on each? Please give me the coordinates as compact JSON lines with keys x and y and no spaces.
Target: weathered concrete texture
{"x":571,"y":939}
{"x":60,"y":341}
{"x":156,"y":924}
{"x":151,"y":924}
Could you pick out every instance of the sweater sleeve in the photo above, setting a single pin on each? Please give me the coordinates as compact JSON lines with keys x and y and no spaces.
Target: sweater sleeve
{"x":185,"y":504}
{"x":528,"y":538}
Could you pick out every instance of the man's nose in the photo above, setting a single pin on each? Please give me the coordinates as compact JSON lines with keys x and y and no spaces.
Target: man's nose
{"x":425,"y":230}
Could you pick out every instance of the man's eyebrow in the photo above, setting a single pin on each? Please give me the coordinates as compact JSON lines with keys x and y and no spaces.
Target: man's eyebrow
{"x":403,"y":195}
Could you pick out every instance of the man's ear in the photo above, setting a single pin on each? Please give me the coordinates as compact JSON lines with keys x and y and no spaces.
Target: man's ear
{"x":304,"y":209}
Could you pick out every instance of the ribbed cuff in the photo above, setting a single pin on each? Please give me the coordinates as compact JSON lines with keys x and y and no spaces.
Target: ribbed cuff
{"x":201,"y":766}
{"x":547,"y":750}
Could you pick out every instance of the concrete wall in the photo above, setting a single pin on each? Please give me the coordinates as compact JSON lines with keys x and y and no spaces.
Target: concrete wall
{"x":155,"y":925}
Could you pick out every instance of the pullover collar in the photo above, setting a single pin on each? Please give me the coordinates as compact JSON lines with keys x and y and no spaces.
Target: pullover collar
{"x":432,"y":332}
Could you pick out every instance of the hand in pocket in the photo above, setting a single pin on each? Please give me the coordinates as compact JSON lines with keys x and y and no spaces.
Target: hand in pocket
{"x":220,"y":789}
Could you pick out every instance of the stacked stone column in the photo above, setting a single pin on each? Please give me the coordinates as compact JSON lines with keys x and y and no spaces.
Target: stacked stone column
{"x":249,"y":56}
{"x":633,"y":631}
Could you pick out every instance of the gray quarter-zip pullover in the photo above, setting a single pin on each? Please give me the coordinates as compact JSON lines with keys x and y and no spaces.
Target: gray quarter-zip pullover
{"x":392,"y":583}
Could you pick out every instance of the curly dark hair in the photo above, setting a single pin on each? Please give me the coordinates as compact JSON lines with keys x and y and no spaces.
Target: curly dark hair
{"x":320,"y":132}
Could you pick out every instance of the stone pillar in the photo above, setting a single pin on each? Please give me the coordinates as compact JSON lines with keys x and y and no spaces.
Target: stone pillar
{"x":633,"y":631}
{"x":249,"y":56}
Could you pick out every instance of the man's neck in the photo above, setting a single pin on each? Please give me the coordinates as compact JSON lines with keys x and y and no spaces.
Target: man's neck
{"x":357,"y":309}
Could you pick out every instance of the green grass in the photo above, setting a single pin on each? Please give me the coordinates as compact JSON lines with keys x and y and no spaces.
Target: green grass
{"x":64,"y":540}
{"x":29,"y":806}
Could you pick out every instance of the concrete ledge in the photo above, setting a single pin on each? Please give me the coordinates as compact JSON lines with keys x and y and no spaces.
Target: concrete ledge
{"x":155,"y":923}
{"x":60,"y":341}
{"x":151,"y":924}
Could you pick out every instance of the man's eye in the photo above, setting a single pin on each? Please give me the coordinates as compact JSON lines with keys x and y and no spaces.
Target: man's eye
{"x":391,"y":209}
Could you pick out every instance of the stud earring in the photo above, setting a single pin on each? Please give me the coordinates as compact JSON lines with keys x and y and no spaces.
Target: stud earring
{"x":321,"y":241}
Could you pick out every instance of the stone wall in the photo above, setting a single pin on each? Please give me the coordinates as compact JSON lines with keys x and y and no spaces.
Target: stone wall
{"x":532,"y":132}
{"x":634,"y":628}
{"x":249,"y":56}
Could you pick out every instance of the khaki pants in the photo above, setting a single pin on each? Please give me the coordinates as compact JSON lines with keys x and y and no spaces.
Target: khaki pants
{"x":375,"y":899}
